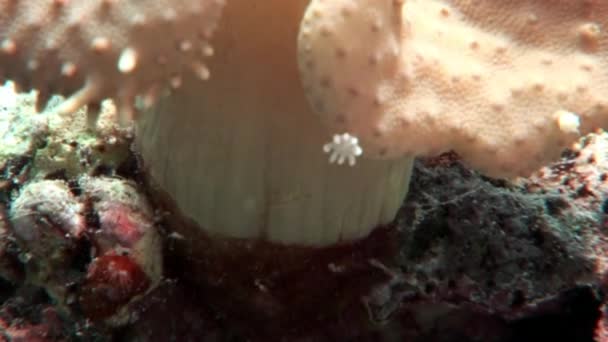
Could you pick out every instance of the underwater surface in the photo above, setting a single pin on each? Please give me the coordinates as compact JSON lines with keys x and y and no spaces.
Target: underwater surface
{"x":303,"y":170}
{"x":475,"y":258}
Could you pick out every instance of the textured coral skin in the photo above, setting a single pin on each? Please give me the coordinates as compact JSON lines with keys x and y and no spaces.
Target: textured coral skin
{"x":492,"y":80}
{"x":96,"y":49}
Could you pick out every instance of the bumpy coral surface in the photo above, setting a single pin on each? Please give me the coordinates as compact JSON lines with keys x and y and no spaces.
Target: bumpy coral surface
{"x":97,"y":49}
{"x":507,"y":84}
{"x":47,"y":208}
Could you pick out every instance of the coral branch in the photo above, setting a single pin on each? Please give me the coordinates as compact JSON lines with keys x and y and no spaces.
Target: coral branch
{"x":96,"y":49}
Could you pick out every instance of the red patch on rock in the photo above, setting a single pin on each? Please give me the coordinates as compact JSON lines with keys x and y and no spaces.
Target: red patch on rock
{"x":111,"y":282}
{"x":121,"y":224}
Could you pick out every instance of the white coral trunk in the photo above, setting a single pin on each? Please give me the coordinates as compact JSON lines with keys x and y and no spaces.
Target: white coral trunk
{"x":244,"y":175}
{"x":241,"y":153}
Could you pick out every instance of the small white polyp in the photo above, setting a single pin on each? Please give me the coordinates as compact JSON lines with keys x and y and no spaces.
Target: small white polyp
{"x":343,"y":147}
{"x":568,"y":122}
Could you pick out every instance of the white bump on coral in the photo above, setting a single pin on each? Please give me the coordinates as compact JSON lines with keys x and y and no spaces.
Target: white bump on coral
{"x":127,"y":60}
{"x":568,"y":122}
{"x":8,"y":46}
{"x":343,"y":147}
{"x":8,"y":98}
